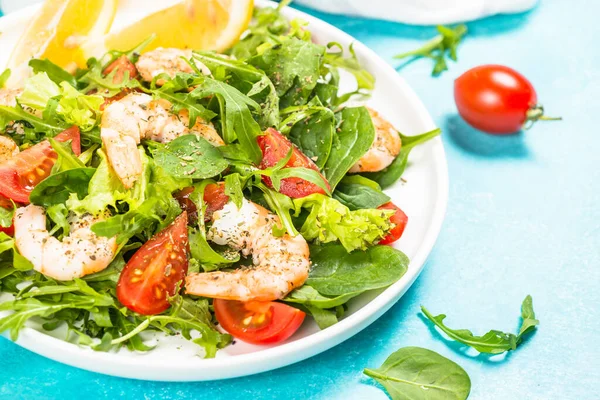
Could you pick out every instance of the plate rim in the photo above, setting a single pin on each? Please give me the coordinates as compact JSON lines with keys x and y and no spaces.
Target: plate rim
{"x":288,"y":353}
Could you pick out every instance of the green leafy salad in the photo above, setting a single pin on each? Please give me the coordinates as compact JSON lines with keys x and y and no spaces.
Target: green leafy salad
{"x":241,"y":189}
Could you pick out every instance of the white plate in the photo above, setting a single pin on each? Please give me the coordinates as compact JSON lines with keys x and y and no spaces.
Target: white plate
{"x":423,"y":197}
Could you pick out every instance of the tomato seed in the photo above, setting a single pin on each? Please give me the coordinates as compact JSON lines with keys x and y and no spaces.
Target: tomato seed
{"x":135,"y":279}
{"x":158,"y":293}
{"x":138,"y":271}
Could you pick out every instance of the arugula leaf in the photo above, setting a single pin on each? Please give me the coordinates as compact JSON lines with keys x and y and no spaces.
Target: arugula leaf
{"x":249,"y":80}
{"x":58,"y":213}
{"x":234,"y":183}
{"x":357,"y":192}
{"x":53,"y":71}
{"x":418,"y":373}
{"x":446,"y":42}
{"x":365,"y":81}
{"x":394,"y":171}
{"x":236,"y":118}
{"x":354,"y":138}
{"x":66,"y":158}
{"x":189,"y":156}
{"x":335,"y":272}
{"x":493,"y":342}
{"x":281,"y":205}
{"x":9,"y":114}
{"x":330,"y":221}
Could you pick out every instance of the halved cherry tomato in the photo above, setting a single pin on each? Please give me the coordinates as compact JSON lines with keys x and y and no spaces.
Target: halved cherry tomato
{"x":155,"y":270}
{"x":275,"y":147}
{"x":258,"y":322}
{"x":121,"y":65}
{"x":497,"y":99}
{"x":20,"y":174}
{"x":4,"y":202}
{"x":399,"y":219}
{"x":214,"y":196}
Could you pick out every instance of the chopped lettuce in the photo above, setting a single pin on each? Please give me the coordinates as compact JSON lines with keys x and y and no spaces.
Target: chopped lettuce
{"x":330,"y":221}
{"x":74,"y":107}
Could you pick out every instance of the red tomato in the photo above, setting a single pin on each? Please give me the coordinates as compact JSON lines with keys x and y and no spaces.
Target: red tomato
{"x":121,"y":65}
{"x":4,"y":202}
{"x":155,"y":270}
{"x":275,"y":147}
{"x":399,"y":220}
{"x":20,"y":174}
{"x":214,"y":196}
{"x":258,"y":322}
{"x":496,"y":99}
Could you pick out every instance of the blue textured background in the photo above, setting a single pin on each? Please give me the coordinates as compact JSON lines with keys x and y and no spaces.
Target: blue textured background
{"x":523,"y":217}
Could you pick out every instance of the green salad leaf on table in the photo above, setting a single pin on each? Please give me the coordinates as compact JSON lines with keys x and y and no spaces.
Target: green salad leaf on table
{"x":287,"y":139}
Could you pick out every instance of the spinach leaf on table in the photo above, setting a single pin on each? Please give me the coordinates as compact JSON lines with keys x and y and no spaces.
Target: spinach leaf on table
{"x":493,"y":342}
{"x":336,"y":272}
{"x":352,"y":140}
{"x":418,"y":373}
{"x":388,"y":176}
{"x":357,"y":192}
{"x":189,"y":156}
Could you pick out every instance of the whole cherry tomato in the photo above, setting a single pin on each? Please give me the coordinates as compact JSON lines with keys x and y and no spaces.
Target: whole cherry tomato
{"x":497,"y":99}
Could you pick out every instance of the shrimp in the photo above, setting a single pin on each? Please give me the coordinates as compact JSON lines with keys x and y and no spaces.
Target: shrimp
{"x":126,"y":122}
{"x":8,"y":97}
{"x":385,"y":147}
{"x":168,"y":61}
{"x":8,"y":148}
{"x":78,"y":254}
{"x":281,"y":264}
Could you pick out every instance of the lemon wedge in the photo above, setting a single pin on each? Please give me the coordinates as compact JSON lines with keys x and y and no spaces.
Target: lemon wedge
{"x":57,"y":30}
{"x":191,"y":24}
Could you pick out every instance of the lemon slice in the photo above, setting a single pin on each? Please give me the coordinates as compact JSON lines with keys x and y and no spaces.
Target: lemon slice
{"x":191,"y":24}
{"x":57,"y":30}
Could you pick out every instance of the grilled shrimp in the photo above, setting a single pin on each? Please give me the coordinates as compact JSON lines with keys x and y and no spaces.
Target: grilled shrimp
{"x":168,"y":61}
{"x":8,"y":97}
{"x":79,"y":254}
{"x":280,"y":263}
{"x":137,"y":116}
{"x":385,"y":147}
{"x":8,"y":148}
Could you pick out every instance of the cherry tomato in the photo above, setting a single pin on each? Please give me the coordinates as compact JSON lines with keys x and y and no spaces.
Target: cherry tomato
{"x":399,"y":219}
{"x":275,"y":147}
{"x":20,"y":174}
{"x":258,"y":322}
{"x":155,"y":270}
{"x":497,"y":99}
{"x":6,"y":203}
{"x":214,"y":196}
{"x":121,"y":65}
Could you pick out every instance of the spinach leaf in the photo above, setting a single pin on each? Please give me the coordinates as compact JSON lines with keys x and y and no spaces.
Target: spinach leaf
{"x":57,"y":188}
{"x":189,"y":156}
{"x":388,"y":176}
{"x":309,"y":296}
{"x":357,"y":192}
{"x":311,"y":128}
{"x":354,"y":137}
{"x":417,"y":373}
{"x":336,"y":272}
{"x":54,"y":72}
{"x":294,"y":68}
{"x":324,"y":318}
{"x":493,"y":342}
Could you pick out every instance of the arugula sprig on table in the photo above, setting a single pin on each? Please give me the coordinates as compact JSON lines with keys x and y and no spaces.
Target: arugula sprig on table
{"x":445,"y":44}
{"x":494,"y":341}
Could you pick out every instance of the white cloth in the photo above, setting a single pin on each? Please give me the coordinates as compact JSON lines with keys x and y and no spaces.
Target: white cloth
{"x":421,"y":12}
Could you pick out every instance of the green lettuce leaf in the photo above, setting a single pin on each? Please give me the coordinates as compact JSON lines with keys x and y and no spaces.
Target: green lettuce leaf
{"x":331,"y":221}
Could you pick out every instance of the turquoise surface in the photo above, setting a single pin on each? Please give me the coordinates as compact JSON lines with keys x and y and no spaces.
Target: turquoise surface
{"x":523,"y":218}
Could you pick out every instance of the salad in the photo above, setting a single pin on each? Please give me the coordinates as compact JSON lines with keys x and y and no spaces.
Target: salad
{"x":175,"y":191}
